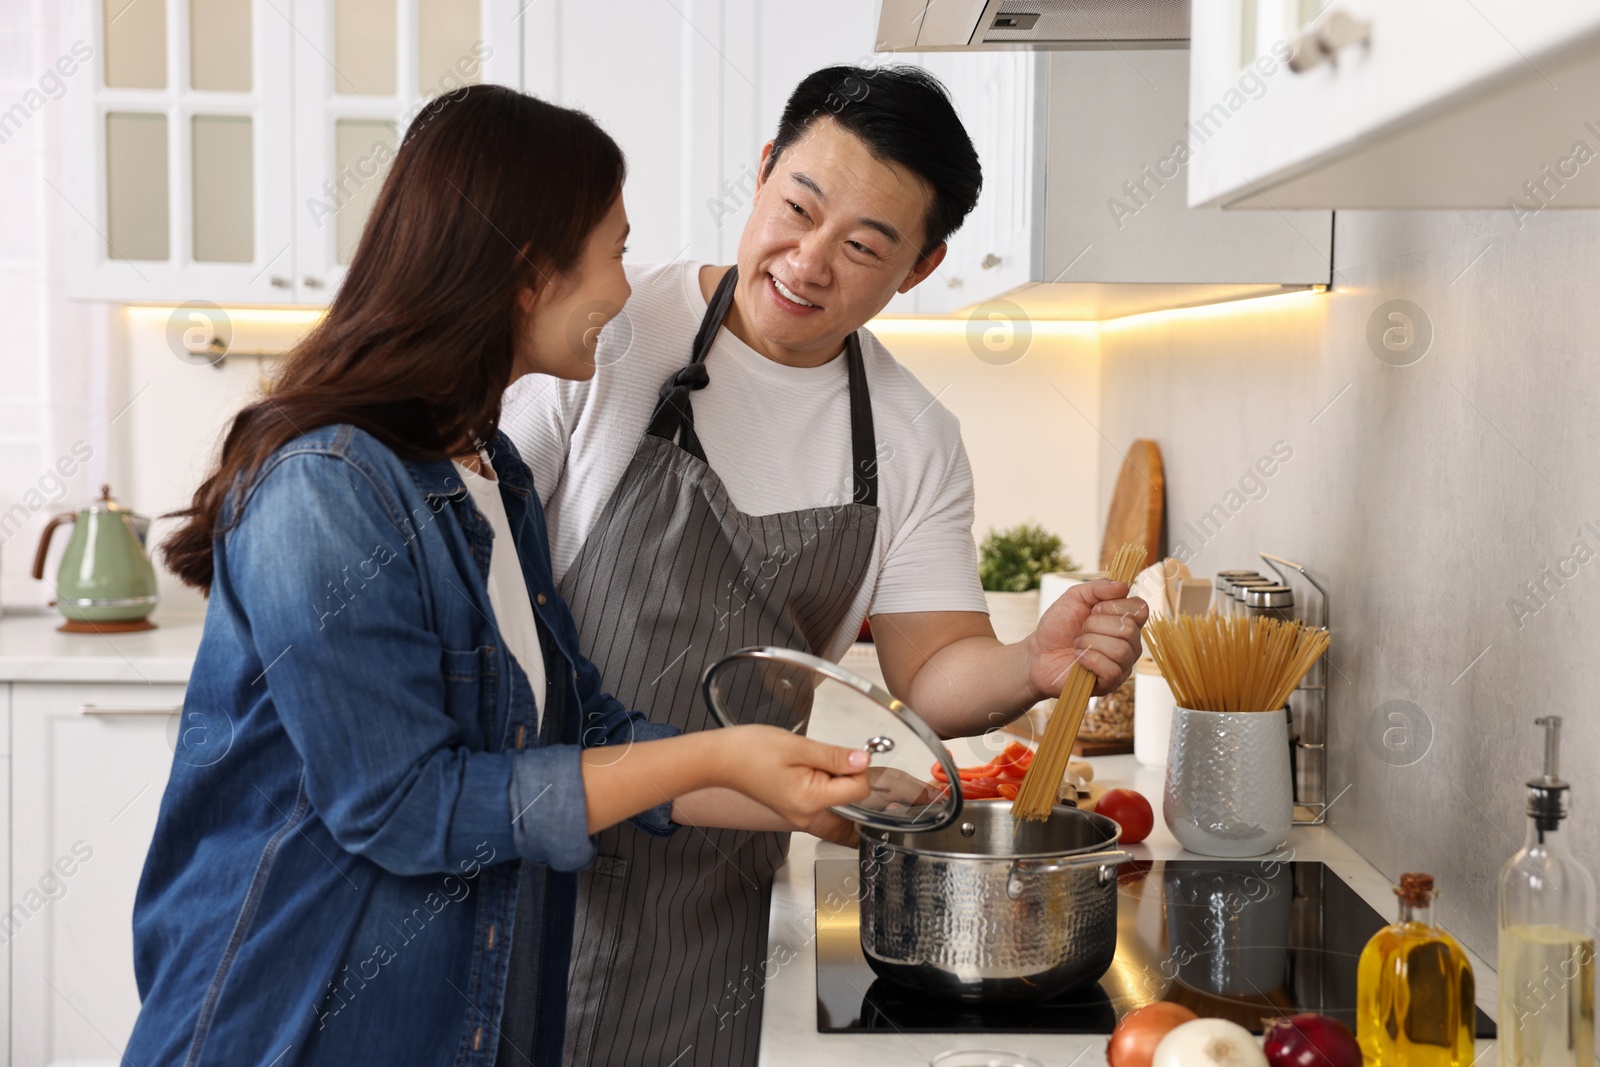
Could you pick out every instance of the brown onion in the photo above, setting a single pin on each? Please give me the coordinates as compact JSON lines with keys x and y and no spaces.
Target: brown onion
{"x":1134,"y":1041}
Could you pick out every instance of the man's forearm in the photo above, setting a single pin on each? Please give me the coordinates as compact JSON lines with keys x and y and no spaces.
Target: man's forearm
{"x":973,"y":685}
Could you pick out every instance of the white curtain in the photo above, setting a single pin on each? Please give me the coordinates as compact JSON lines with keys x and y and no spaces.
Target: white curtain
{"x":55,"y":356}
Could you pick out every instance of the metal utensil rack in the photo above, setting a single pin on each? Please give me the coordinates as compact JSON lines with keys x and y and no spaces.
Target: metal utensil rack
{"x":1310,"y":802}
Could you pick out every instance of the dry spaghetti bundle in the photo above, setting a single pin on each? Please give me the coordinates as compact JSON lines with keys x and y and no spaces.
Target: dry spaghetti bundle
{"x":1232,"y":662}
{"x":1042,"y":783}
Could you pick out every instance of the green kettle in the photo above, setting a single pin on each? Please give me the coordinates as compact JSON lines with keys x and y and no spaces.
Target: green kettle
{"x":106,"y":583}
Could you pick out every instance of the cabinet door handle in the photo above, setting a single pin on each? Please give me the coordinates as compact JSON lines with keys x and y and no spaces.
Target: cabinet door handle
{"x":1335,"y":33}
{"x":312,"y":283}
{"x":114,"y":710}
{"x":990,"y":261}
{"x":954,"y":283}
{"x":280,"y":282}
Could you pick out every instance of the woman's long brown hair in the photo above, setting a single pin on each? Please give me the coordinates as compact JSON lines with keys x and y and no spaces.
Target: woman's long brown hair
{"x":491,"y":191}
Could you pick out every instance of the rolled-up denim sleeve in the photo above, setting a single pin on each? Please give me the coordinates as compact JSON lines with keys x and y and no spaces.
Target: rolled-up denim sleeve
{"x":320,"y":561}
{"x":549,"y":811}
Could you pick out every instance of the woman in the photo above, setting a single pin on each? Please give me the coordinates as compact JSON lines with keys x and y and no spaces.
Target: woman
{"x":409,"y":712}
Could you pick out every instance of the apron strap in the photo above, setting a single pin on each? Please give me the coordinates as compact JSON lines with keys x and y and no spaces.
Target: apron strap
{"x":863,"y":438}
{"x":673,"y":418}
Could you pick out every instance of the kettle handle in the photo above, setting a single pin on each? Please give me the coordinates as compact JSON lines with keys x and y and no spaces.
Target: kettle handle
{"x":44,"y":540}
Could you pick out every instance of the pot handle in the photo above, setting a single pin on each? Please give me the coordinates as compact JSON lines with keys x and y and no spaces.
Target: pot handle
{"x":1106,"y":861}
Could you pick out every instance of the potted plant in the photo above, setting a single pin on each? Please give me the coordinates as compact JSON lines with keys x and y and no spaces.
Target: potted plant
{"x":1010,"y":564}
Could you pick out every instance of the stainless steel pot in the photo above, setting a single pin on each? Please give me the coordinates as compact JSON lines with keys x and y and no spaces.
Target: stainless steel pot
{"x":990,"y":908}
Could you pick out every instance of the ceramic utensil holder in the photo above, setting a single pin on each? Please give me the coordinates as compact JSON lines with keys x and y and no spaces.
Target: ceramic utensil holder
{"x":1228,"y":791}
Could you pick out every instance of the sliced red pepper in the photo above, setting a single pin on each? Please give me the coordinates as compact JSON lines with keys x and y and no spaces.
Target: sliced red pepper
{"x":1017,"y":756}
{"x":980,"y":789}
{"x":1009,"y":790}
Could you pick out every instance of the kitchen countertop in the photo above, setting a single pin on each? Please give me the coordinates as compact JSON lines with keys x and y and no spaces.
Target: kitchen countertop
{"x":789,"y":1027}
{"x":33,"y":650}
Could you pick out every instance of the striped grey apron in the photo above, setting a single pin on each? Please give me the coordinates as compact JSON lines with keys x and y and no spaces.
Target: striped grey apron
{"x":669,"y":950}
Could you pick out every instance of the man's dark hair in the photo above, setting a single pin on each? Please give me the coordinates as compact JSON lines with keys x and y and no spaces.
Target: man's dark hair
{"x":905,"y":117}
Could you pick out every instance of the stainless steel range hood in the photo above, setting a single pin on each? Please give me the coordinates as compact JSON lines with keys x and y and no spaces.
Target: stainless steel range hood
{"x":967,"y":25}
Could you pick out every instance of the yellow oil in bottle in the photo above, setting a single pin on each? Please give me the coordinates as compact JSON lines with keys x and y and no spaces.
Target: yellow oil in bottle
{"x":1546,"y":997}
{"x":1414,"y":989}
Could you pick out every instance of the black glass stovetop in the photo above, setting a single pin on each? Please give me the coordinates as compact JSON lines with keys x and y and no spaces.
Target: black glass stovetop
{"x":1247,"y":940}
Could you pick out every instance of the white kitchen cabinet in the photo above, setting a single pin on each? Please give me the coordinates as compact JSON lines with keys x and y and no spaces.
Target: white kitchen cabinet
{"x":229,"y":150}
{"x":1083,"y":214}
{"x":91,"y":762}
{"x":179,"y":181}
{"x":363,"y":69}
{"x":691,"y":90}
{"x":1000,"y":98}
{"x":1428,"y":103}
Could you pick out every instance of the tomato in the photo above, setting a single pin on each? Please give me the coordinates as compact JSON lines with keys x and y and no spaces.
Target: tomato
{"x":1129,"y":810}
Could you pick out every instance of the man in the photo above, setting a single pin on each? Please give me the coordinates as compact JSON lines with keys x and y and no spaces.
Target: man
{"x":755,"y":469}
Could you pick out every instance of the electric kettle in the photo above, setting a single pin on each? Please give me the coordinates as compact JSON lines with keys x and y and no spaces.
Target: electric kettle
{"x":106,"y":583}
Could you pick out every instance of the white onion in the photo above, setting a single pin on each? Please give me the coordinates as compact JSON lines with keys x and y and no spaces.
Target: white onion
{"x":1209,"y":1043}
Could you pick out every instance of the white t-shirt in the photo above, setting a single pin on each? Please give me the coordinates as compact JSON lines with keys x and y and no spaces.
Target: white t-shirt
{"x":508,"y":590}
{"x":778,"y":436}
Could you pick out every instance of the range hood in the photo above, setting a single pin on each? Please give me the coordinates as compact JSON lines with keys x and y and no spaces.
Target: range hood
{"x":970,"y":25}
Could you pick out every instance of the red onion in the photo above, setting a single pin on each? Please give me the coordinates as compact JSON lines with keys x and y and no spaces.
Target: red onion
{"x":1310,"y":1040}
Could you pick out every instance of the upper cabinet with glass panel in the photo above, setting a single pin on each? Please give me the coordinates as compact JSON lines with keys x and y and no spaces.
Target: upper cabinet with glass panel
{"x":178,"y":188}
{"x":229,"y":150}
{"x":354,"y":100}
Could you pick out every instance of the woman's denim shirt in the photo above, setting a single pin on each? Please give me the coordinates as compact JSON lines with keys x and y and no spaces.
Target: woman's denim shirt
{"x":333,"y":875}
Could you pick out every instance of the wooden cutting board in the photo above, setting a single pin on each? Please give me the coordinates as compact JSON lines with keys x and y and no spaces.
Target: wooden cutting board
{"x":1136,"y":503}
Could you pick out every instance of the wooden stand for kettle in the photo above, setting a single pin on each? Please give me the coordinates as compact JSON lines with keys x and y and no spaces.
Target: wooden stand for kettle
{"x":78,"y":626}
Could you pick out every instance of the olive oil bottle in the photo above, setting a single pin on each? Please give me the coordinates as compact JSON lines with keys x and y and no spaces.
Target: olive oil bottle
{"x":1546,"y":942}
{"x":1414,"y":990}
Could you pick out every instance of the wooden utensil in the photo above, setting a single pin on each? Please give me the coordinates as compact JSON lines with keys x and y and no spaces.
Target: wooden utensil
{"x":1136,"y":503}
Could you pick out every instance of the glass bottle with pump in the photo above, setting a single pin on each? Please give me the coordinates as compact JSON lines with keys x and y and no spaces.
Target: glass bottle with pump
{"x":1546,"y":934}
{"x":1414,"y":989}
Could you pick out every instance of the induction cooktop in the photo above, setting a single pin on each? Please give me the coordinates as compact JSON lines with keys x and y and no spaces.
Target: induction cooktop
{"x":1247,"y":940}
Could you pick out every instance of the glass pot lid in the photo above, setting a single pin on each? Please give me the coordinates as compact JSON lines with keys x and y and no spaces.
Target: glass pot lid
{"x":812,"y":697}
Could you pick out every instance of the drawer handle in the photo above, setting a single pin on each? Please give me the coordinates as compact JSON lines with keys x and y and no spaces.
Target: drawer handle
{"x":1322,"y":45}
{"x":127,"y":709}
